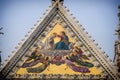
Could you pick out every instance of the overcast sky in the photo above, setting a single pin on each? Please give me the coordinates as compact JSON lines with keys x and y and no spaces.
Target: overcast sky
{"x":98,"y":17}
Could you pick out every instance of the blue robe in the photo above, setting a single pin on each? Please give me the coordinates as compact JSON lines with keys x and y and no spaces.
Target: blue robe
{"x":61,"y":45}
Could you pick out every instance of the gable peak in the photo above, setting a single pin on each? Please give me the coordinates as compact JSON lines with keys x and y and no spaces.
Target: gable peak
{"x":57,"y":1}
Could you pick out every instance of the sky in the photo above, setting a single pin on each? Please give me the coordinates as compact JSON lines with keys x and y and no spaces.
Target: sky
{"x":98,"y":17}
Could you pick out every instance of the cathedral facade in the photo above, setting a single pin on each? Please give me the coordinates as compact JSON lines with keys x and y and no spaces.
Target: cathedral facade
{"x":58,"y":48}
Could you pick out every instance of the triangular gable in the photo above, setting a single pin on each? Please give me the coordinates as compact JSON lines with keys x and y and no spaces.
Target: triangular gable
{"x":58,"y":16}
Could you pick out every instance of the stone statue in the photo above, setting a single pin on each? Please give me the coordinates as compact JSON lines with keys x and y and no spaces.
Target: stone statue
{"x":1,"y":32}
{"x":60,"y":1}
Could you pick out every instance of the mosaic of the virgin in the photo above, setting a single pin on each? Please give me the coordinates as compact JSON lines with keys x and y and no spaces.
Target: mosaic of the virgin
{"x":58,"y":53}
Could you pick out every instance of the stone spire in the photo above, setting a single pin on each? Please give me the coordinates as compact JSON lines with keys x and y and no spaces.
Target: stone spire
{"x":118,"y":30}
{"x":117,"y":45}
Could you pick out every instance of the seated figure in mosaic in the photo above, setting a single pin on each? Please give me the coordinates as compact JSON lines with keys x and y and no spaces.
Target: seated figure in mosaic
{"x":49,"y":43}
{"x":63,"y":44}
